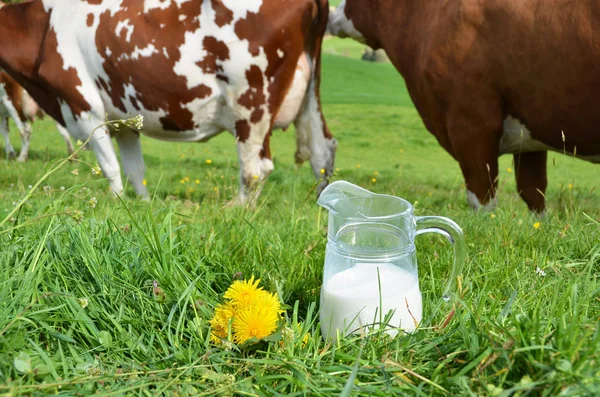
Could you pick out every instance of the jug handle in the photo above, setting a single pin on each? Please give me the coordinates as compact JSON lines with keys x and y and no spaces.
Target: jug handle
{"x":449,"y":229}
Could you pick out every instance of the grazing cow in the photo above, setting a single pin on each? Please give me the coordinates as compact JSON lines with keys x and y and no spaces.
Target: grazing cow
{"x":493,"y":77}
{"x":17,"y":104}
{"x":191,"y":68}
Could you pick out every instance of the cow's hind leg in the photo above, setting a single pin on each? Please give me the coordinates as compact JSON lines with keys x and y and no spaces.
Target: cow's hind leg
{"x":530,"y":172}
{"x":10,"y":150}
{"x":25,"y":141}
{"x":313,"y":139}
{"x":132,"y":159}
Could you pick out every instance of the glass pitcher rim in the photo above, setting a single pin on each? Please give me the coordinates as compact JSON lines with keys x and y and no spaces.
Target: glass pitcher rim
{"x":407,"y":212}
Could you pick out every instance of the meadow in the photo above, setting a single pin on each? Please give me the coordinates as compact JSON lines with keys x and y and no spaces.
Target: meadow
{"x":113,"y":296}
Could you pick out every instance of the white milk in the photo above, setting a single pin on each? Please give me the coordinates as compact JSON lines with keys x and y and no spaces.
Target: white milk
{"x":351,"y":299}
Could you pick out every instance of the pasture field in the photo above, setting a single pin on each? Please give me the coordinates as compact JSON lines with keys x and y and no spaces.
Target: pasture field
{"x":110,"y":297}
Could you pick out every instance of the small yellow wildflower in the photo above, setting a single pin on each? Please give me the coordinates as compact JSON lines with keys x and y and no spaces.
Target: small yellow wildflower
{"x":208,"y":161}
{"x":537,"y":225}
{"x":373,"y":180}
{"x":144,"y":182}
{"x":182,"y":181}
{"x":357,"y":165}
{"x":509,"y":170}
{"x":570,"y":185}
{"x":492,"y":216}
{"x":322,"y":171}
{"x":197,"y":181}
{"x":375,"y":173}
{"x":187,"y":179}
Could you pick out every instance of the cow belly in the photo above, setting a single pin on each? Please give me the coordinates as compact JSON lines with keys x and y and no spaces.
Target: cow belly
{"x":294,"y":99}
{"x":517,"y":138}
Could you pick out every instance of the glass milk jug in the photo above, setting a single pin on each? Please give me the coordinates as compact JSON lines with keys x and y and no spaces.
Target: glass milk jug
{"x":370,"y":276}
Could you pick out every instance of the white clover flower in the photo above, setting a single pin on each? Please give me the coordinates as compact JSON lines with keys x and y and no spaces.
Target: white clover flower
{"x":93,"y":201}
{"x":29,"y":186}
{"x":83,"y":302}
{"x":138,"y":122}
{"x":540,"y":272}
{"x":62,"y":188}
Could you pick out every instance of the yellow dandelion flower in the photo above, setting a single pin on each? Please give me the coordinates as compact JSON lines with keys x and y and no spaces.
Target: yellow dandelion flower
{"x":373,"y":180}
{"x":537,"y":225}
{"x":570,"y":185}
{"x":322,"y":171}
{"x":208,"y":161}
{"x":243,"y":293}
{"x":144,"y":182}
{"x":258,"y":320}
{"x":221,"y":320}
{"x":187,"y":179}
{"x":492,"y":216}
{"x":197,"y":181}
{"x":357,"y":165}
{"x":509,"y":170}
{"x":182,"y":181}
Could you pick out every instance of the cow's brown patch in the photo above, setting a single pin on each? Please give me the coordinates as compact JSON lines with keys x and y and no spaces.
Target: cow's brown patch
{"x":223,"y":15}
{"x":217,"y":51}
{"x":242,"y":130}
{"x":90,"y":20}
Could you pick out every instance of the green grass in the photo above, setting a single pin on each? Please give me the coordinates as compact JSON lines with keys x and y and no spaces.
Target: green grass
{"x":513,"y":332}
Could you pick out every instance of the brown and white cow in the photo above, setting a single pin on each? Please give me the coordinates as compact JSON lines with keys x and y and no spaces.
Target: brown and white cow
{"x":493,"y":77}
{"x":17,"y":104}
{"x":191,"y":68}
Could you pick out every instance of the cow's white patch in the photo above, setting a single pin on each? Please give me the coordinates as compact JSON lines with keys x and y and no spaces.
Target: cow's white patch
{"x":127,"y":26}
{"x":280,"y":53}
{"x":144,"y":52}
{"x":476,"y":204}
{"x":340,"y":25}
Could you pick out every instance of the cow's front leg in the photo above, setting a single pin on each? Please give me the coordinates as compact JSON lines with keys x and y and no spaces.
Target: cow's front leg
{"x":25,"y":141}
{"x":65,"y":134}
{"x":475,"y":143}
{"x":132,"y":159}
{"x":10,"y":150}
{"x":255,"y":160}
{"x":101,"y":144}
{"x":530,"y":172}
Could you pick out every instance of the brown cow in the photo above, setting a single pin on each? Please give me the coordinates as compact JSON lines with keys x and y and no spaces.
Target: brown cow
{"x":191,"y":68}
{"x":493,"y":77}
{"x":17,"y":104}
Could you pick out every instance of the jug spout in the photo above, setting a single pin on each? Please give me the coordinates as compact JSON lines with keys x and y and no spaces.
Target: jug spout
{"x":340,"y":198}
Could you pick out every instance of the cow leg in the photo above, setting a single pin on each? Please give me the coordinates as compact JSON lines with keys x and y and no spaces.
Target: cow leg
{"x":10,"y":150}
{"x":530,"y":172}
{"x":101,"y":144}
{"x":65,"y":134}
{"x":132,"y":159}
{"x":25,"y":140}
{"x":313,"y":139}
{"x":475,"y":144}
{"x":254,"y":157}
